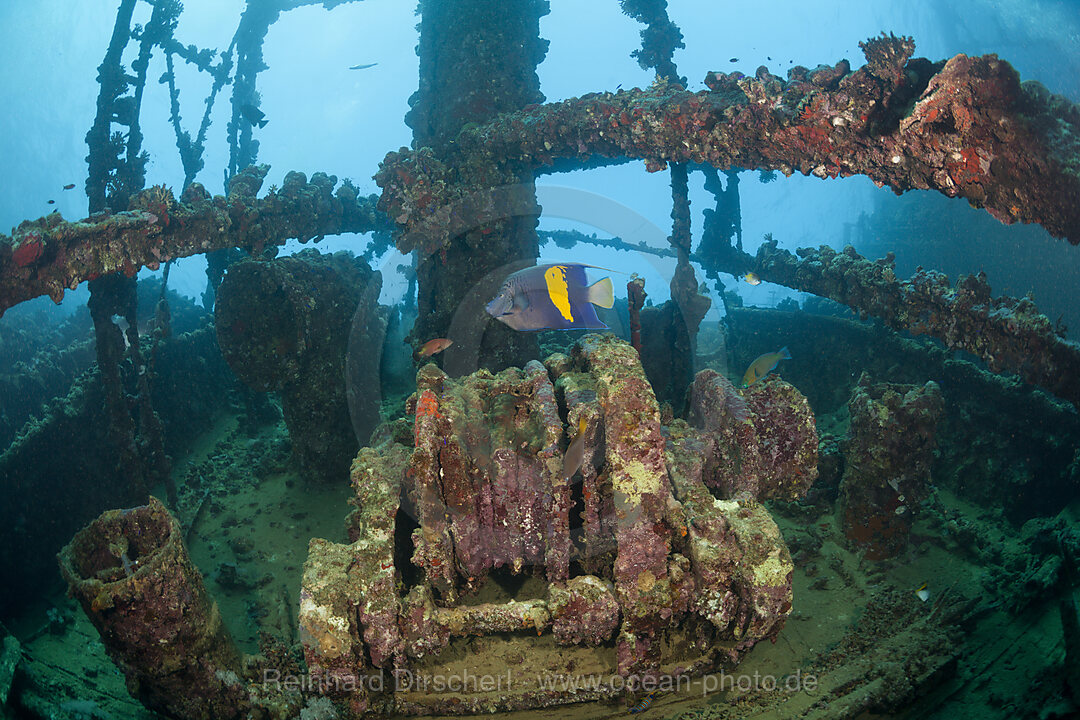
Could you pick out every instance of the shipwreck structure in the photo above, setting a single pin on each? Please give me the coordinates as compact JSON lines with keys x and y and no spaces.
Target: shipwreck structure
{"x":658,"y":557}
{"x":639,"y":570}
{"x":659,"y":561}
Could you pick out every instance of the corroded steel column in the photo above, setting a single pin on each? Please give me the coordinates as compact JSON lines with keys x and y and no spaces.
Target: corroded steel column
{"x":485,"y":66}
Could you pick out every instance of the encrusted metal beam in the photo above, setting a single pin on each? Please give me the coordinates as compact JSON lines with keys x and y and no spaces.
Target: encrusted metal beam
{"x":48,"y":255}
{"x":1008,"y":334}
{"x":965,"y":127}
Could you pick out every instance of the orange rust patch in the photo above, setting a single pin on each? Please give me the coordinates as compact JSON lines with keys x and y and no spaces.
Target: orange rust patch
{"x":966,"y":170}
{"x":427,"y":405}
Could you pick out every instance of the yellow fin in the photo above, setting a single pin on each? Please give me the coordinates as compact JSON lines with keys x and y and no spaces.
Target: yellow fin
{"x":558,"y":291}
{"x":601,"y":293}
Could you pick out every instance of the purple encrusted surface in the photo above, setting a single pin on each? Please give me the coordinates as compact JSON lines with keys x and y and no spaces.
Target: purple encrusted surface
{"x":761,"y":441}
{"x":483,"y":478}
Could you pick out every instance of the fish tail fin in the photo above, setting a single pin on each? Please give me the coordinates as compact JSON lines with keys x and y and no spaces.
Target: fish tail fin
{"x":262,"y":123}
{"x":784,"y":354}
{"x":602,"y":294}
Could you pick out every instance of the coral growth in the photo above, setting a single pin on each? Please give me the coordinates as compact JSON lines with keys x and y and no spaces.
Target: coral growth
{"x":759,"y":445}
{"x":887,"y":463}
{"x":960,"y":127}
{"x":886,"y":57}
{"x":29,"y":248}
{"x":638,"y":567}
{"x":1007,"y":333}
{"x":159,"y":201}
{"x":50,"y":255}
{"x":487,"y":66}
{"x":287,"y":325}
{"x":130,"y":571}
{"x":660,"y":38}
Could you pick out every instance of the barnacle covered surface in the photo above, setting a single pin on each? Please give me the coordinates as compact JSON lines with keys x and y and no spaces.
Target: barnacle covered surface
{"x":892,"y":439}
{"x":1008,"y":334}
{"x":466,"y":540}
{"x":962,"y":127}
{"x":51,"y":255}
{"x":481,"y":478}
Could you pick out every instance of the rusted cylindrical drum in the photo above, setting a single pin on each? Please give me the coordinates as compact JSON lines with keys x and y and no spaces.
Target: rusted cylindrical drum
{"x":130,"y":571}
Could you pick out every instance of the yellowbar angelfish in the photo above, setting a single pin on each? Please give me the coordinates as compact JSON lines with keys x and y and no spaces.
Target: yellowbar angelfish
{"x":551,"y":297}
{"x":764,"y":365}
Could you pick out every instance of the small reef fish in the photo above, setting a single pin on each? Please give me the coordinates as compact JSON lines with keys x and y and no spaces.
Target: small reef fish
{"x":52,"y":202}
{"x":432,"y":347}
{"x":551,"y":297}
{"x":69,"y":186}
{"x":363,"y":67}
{"x":764,"y":365}
{"x":254,"y":115}
{"x":575,"y":452}
{"x":752,"y":278}
{"x":734,"y":60}
{"x":922,"y":593}
{"x":642,"y":705}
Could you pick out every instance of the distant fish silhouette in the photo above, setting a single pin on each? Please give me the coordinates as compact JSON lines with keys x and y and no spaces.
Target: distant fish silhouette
{"x":254,"y":115}
{"x":734,"y":60}
{"x":52,"y":202}
{"x":363,"y":67}
{"x":69,"y":186}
